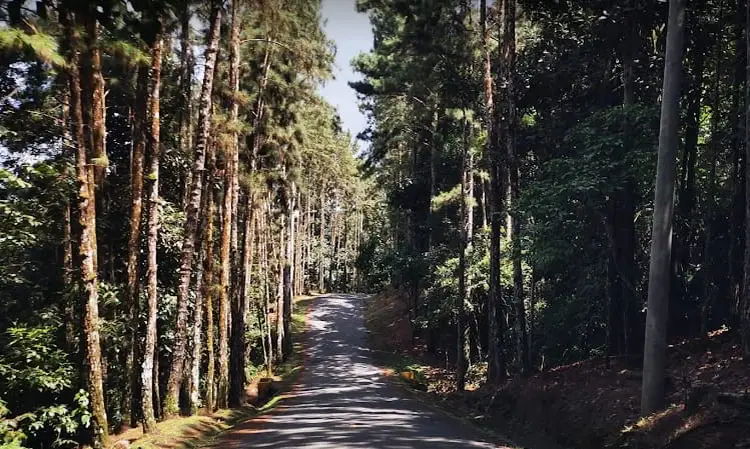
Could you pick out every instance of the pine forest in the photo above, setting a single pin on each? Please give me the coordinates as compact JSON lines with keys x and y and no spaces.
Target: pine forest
{"x":543,"y":224}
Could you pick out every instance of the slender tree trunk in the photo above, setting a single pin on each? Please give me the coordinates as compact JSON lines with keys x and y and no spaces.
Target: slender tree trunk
{"x":654,"y":362}
{"x":222,"y":396}
{"x":709,"y":269}
{"x":280,"y":306}
{"x":321,"y":243}
{"x":737,"y":171}
{"x":745,"y":310}
{"x":508,"y":138}
{"x":495,"y":315}
{"x":200,"y":288}
{"x":136,"y":208}
{"x":95,"y":82}
{"x":624,"y":332}
{"x":239,"y":316}
{"x":298,"y":254}
{"x":68,"y":272}
{"x":288,"y":275}
{"x":185,"y":113}
{"x":266,"y":276}
{"x":86,"y":246}
{"x":239,"y":296}
{"x":462,"y":328}
{"x":149,"y":353}
{"x":171,"y":399}
{"x":209,"y":284}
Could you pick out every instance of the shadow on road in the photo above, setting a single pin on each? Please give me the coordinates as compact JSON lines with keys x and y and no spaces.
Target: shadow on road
{"x":342,"y":400}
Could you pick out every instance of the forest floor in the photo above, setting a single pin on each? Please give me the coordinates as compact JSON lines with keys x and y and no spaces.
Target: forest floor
{"x":204,"y":429}
{"x":592,"y":404}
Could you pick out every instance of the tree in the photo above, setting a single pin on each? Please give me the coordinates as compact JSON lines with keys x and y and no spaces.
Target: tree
{"x":149,"y":375}
{"x":652,"y":398}
{"x":193,"y":212}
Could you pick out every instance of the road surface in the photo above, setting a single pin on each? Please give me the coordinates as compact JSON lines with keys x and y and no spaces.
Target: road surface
{"x":343,"y":401}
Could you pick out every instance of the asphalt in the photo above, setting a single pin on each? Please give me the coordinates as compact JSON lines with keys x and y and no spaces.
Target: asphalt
{"x":342,"y":400}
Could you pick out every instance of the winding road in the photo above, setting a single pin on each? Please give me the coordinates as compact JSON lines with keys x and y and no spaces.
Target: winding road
{"x":343,"y":401}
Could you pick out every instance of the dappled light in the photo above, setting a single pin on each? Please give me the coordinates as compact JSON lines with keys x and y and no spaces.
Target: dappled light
{"x":343,"y":400}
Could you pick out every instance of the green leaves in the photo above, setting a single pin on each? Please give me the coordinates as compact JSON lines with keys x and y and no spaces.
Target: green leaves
{"x":41,"y":45}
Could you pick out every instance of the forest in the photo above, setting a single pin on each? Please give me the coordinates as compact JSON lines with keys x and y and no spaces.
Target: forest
{"x":540,"y":184}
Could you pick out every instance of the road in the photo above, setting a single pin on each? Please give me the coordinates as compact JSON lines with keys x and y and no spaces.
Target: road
{"x":343,"y":401}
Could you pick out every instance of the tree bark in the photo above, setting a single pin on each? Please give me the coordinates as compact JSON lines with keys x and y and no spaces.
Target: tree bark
{"x":654,"y":361}
{"x":321,"y":242}
{"x":495,"y":316}
{"x":187,"y":63}
{"x":508,"y":138}
{"x":239,"y":296}
{"x":745,"y":309}
{"x":737,"y":170}
{"x":95,"y":82}
{"x":86,"y":246}
{"x":462,"y":328}
{"x":709,"y":270}
{"x":149,"y":353}
{"x":280,"y":306}
{"x":171,"y":398}
{"x":208,"y":281}
{"x":288,"y":276}
{"x":200,"y":289}
{"x":136,"y":209}
{"x":222,"y":395}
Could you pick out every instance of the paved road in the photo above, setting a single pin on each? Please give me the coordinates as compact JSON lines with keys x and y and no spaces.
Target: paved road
{"x":343,"y":401}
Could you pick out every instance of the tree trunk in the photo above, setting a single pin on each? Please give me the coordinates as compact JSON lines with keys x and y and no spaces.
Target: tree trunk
{"x":280,"y":306}
{"x":200,"y":289}
{"x":171,"y":399}
{"x":654,"y":360}
{"x":745,"y":309}
{"x":208,"y":282}
{"x":239,"y":296}
{"x":496,"y":363}
{"x":266,"y":277}
{"x":149,"y":353}
{"x":86,"y":246}
{"x":321,"y":243}
{"x":222,"y":395}
{"x":508,"y":138}
{"x":709,"y":270}
{"x":237,"y":386}
{"x":187,"y":63}
{"x":462,"y":328}
{"x":288,"y":275}
{"x":624,"y":332}
{"x":136,"y":209}
{"x":95,"y":82}
{"x":68,"y":272}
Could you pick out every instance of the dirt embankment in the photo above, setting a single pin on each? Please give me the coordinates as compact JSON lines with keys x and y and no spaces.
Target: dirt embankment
{"x":592,"y":404}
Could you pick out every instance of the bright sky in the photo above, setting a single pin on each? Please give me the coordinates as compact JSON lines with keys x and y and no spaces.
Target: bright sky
{"x":352,"y":34}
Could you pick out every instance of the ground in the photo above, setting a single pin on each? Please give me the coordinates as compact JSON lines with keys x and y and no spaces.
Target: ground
{"x":342,"y":400}
{"x":592,"y":404}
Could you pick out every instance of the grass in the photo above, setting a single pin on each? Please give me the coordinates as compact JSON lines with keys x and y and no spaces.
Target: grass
{"x":200,"y":431}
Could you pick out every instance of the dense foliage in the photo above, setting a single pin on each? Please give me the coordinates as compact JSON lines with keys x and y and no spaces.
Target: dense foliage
{"x":565,"y":104}
{"x":98,"y":188}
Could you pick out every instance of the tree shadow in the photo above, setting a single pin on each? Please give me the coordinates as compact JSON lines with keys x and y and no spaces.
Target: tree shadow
{"x":343,"y":400}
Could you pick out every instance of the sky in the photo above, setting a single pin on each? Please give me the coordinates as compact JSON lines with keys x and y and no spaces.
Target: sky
{"x":352,"y":34}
